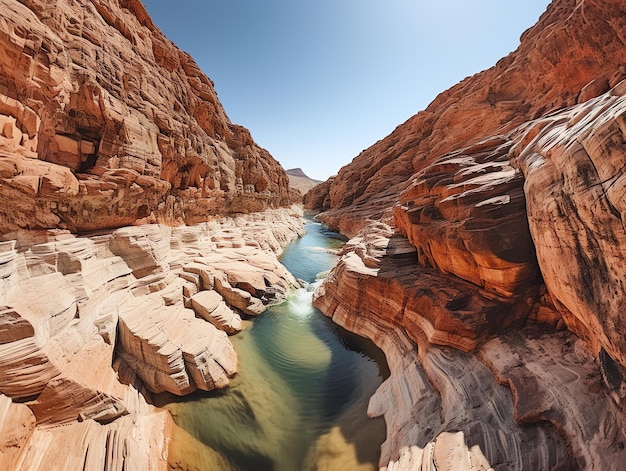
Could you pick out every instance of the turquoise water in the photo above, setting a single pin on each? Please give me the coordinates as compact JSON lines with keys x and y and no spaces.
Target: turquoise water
{"x":300,"y":397}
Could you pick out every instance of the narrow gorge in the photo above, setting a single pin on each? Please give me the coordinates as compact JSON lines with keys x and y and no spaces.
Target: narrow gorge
{"x":144,"y":308}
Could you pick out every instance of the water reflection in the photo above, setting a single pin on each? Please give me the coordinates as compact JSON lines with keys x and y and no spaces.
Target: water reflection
{"x":300,"y":398}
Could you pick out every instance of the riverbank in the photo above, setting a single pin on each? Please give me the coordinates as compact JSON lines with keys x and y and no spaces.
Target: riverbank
{"x":299,"y":400}
{"x":93,"y":325}
{"x":459,"y":397}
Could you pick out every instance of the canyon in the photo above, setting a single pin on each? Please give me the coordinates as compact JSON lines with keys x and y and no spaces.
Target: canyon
{"x":486,"y":257}
{"x":139,"y":227}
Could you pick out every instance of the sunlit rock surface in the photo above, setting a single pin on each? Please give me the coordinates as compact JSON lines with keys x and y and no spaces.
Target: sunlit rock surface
{"x":105,"y":123}
{"x":465,"y":214}
{"x":91,"y":325}
{"x":433,"y":389}
{"x":487,"y":226}
{"x":573,"y":163}
{"x":573,"y":53}
{"x":109,"y":131}
{"x":487,"y":262}
{"x":487,"y":258}
{"x":211,"y":307}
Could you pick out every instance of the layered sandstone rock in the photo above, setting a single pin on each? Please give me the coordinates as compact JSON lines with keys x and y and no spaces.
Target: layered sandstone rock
{"x":574,"y":52}
{"x":441,"y":310}
{"x":465,"y":214}
{"x":318,"y":197}
{"x":573,"y":164}
{"x":508,"y":188}
{"x":90,"y":325}
{"x":211,"y":307}
{"x":533,"y":398}
{"x":104,"y":122}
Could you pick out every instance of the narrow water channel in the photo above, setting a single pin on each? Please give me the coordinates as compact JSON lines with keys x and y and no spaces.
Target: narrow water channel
{"x":299,"y":400}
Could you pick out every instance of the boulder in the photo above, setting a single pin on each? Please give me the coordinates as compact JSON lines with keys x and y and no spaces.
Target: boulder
{"x":211,"y":307}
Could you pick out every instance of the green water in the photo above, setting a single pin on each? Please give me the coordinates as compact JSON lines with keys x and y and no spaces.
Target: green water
{"x":300,"y":397}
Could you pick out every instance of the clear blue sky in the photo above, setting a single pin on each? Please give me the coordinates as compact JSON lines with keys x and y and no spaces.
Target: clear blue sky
{"x":318,"y":81}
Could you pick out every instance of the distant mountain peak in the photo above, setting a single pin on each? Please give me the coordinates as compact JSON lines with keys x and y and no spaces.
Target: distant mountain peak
{"x":300,"y":181}
{"x":297,"y":172}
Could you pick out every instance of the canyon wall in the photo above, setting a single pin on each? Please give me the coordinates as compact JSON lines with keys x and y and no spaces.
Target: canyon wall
{"x":487,"y":257}
{"x":137,"y":226}
{"x":573,"y":53}
{"x":105,"y":123}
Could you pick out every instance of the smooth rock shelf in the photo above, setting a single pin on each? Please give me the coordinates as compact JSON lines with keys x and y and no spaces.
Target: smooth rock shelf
{"x":300,"y":398}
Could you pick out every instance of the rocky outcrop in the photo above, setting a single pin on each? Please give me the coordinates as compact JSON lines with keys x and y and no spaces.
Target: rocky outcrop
{"x":573,"y":53}
{"x":105,"y":123}
{"x":465,"y":214}
{"x":318,"y":198}
{"x":109,"y":137}
{"x":91,"y":325}
{"x":573,"y":165}
{"x":486,"y":258}
{"x":531,"y":398}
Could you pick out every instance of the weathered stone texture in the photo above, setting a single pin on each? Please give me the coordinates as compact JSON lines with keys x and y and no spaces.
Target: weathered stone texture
{"x":527,"y":399}
{"x":574,"y":46}
{"x":104,"y":122}
{"x":91,"y":325}
{"x":510,"y":190}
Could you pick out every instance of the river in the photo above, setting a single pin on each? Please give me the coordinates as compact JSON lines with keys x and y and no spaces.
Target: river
{"x":299,"y":399}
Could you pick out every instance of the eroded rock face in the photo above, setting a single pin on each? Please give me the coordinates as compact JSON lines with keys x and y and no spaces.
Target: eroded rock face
{"x":465,"y":214}
{"x":509,"y":190}
{"x":317,"y":198}
{"x":104,"y":123}
{"x":573,"y":53}
{"x":430,"y":305}
{"x":530,"y":398}
{"x":488,"y":225}
{"x":92,"y":325}
{"x":573,"y":164}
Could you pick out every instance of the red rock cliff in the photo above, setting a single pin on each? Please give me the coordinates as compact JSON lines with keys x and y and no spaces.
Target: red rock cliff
{"x":574,"y":52}
{"x":489,"y":250}
{"x":105,"y":123}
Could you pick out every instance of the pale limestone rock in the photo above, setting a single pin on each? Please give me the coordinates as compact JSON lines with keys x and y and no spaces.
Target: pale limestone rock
{"x":65,"y":299}
{"x":17,"y":424}
{"x":246,"y":275}
{"x":211,"y":307}
{"x":171,"y":350}
{"x":143,"y":248}
{"x":204,"y":278}
{"x":448,"y":452}
{"x":131,"y":442}
{"x":238,"y":298}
